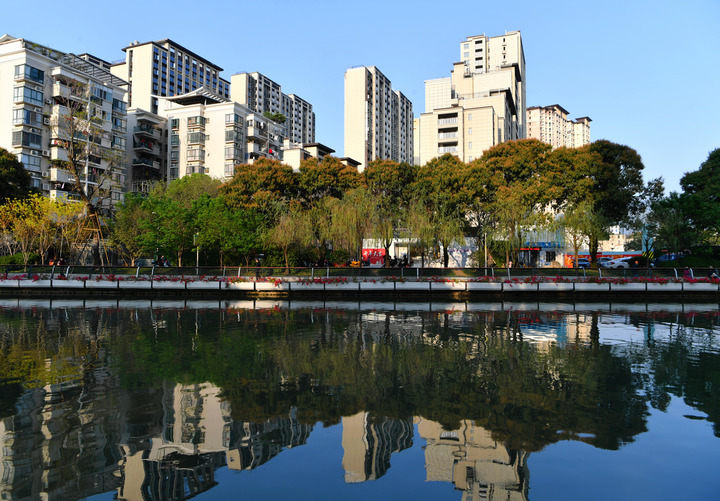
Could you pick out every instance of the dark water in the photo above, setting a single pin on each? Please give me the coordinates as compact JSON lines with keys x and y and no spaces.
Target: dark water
{"x":218,"y":400}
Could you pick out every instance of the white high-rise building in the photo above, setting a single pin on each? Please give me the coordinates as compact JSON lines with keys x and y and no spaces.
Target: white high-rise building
{"x":550,"y":124}
{"x":41,"y":87}
{"x":211,"y":135}
{"x":165,"y":69}
{"x":480,"y":105}
{"x":378,"y":119}
{"x":260,"y":94}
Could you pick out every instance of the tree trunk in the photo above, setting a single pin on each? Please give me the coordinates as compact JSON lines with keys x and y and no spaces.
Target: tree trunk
{"x":593,"y":245}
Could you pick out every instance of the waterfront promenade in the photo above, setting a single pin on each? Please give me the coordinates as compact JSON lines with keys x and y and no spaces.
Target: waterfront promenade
{"x":412,"y":282}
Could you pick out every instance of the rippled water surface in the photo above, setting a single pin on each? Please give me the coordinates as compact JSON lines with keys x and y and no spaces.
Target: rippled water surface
{"x":171,"y":400}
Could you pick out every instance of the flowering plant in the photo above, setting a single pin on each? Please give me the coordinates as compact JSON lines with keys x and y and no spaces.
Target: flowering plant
{"x":325,"y":280}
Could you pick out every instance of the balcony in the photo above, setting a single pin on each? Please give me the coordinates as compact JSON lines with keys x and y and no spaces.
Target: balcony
{"x":64,"y":195}
{"x":145,"y":131}
{"x":61,"y":175}
{"x":146,"y":147}
{"x":257,"y":133}
{"x":145,"y":162}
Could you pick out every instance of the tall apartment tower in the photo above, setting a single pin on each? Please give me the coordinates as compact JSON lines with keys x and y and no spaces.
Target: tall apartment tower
{"x":378,"y":119}
{"x":480,"y":105}
{"x":165,"y":69}
{"x":260,"y":94}
{"x":550,"y":124}
{"x":39,"y":86}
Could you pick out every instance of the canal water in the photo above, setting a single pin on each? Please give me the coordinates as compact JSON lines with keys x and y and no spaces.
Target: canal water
{"x":172,"y":400}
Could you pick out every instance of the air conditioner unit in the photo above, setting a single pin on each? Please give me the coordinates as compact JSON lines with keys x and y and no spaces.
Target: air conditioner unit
{"x":39,"y":87}
{"x":46,"y":153}
{"x":46,"y":121}
{"x":33,"y":130}
{"x":38,"y":110}
{"x":49,"y":101}
{"x":34,"y":153}
{"x":45,"y":174}
{"x":46,"y":186}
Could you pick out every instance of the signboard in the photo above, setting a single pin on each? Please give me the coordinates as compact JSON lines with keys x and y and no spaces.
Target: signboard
{"x":375,"y":256}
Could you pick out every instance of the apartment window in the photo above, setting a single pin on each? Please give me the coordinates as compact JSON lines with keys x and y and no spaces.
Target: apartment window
{"x":31,"y":163}
{"x":119,"y":106}
{"x":469,"y":146}
{"x":27,"y":117}
{"x":29,"y":72}
{"x":229,"y":170}
{"x":193,"y":155}
{"x":195,"y":121}
{"x":22,"y":138}
{"x":118,"y":142}
{"x":470,"y":131}
{"x":175,"y":123}
{"x":469,"y":116}
{"x":27,"y":95}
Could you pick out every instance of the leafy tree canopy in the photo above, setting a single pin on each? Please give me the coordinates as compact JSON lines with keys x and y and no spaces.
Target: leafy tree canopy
{"x":14,"y":179}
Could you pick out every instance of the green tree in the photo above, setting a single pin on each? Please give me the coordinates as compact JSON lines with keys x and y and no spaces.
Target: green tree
{"x":441,"y":187}
{"x":14,"y":179}
{"x":670,"y":225}
{"x":700,"y":199}
{"x":293,"y":229}
{"x":278,"y":118}
{"x":329,"y":178}
{"x":389,"y":183}
{"x":520,"y":191}
{"x":619,"y":194}
{"x":126,"y":229}
{"x":266,"y":185}
{"x":227,"y":230}
{"x":351,"y":221}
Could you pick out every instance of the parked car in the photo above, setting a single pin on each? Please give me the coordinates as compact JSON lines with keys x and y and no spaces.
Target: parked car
{"x":582,"y":262}
{"x":623,"y":262}
{"x":603,"y":260}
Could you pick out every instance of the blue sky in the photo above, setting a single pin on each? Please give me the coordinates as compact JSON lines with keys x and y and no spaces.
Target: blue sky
{"x":646,"y":72}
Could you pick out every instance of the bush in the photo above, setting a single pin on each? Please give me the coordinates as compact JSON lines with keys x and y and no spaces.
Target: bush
{"x":338,"y":257}
{"x":18,"y":259}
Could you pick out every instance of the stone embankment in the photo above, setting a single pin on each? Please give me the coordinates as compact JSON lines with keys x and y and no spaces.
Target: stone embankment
{"x":168,"y":285}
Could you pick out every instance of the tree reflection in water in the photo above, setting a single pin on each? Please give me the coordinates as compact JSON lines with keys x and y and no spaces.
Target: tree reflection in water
{"x":151,"y":401}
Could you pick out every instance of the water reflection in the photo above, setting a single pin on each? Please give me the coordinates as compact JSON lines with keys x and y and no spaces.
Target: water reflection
{"x":149,"y":400}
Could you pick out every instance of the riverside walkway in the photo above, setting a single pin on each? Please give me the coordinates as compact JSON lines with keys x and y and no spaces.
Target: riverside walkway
{"x":368,"y":282}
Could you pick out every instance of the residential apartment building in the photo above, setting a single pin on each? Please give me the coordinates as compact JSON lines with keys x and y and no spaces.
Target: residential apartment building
{"x":211,"y":135}
{"x":480,"y":105}
{"x":165,"y":69}
{"x":550,"y":124}
{"x":261,"y":94}
{"x":41,"y":88}
{"x":147,"y":150}
{"x":378,"y":119}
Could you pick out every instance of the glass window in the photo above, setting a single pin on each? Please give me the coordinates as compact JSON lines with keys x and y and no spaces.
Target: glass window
{"x":29,"y":72}
{"x":30,"y":162}
{"x":27,"y":95}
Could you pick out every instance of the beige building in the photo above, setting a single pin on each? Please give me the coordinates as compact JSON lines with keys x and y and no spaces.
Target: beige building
{"x":41,"y":86}
{"x":477,"y":464}
{"x":211,"y":135}
{"x":480,"y":105}
{"x":260,"y":94}
{"x":164,"y":69}
{"x":378,"y":119}
{"x":550,"y":124}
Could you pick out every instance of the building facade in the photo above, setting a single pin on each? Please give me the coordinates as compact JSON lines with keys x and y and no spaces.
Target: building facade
{"x":43,"y":88}
{"x":165,"y":69}
{"x":480,"y":105}
{"x":260,"y":94}
{"x":550,"y":124}
{"x":378,"y":119}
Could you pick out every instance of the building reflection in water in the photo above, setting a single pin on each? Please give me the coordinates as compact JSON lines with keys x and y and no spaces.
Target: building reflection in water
{"x":88,"y":434}
{"x":474,"y":462}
